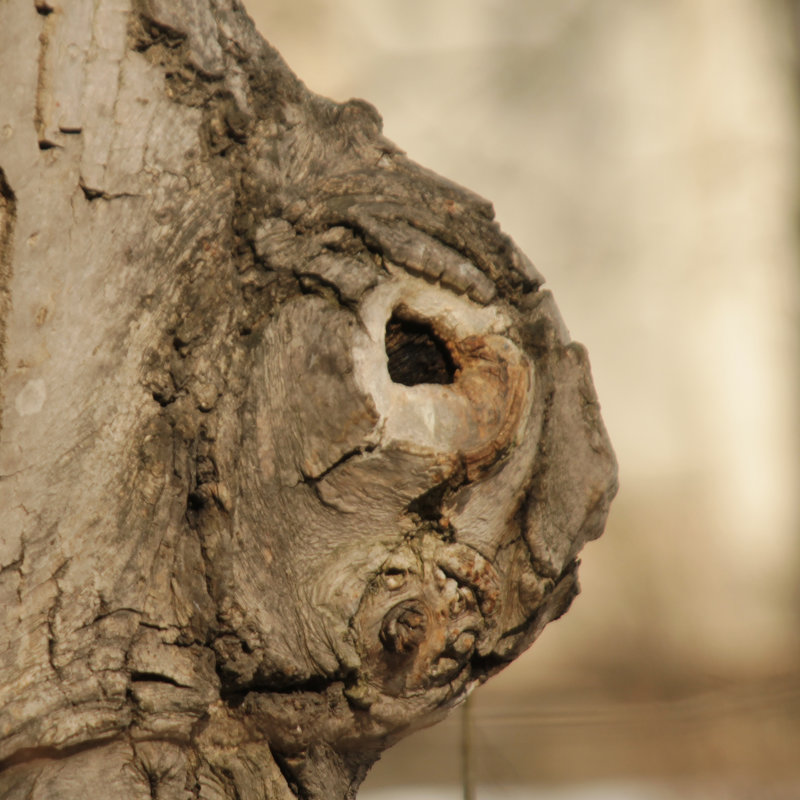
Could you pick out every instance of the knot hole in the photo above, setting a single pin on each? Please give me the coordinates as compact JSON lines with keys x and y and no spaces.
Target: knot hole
{"x":416,"y":353}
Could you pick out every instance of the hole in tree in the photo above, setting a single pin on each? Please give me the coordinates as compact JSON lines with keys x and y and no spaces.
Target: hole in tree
{"x":416,"y":354}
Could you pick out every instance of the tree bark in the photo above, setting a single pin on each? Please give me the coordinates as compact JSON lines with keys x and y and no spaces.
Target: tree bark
{"x":294,"y":450}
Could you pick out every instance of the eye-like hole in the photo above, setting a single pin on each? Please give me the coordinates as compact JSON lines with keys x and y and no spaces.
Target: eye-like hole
{"x":416,"y":354}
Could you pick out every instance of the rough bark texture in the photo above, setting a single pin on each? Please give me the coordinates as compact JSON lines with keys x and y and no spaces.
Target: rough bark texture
{"x":295,"y":451}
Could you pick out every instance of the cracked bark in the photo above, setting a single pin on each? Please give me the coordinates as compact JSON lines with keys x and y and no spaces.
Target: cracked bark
{"x":294,"y":449}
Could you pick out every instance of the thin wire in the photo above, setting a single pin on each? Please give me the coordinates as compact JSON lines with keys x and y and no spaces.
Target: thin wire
{"x":467,"y":763}
{"x":496,"y":767}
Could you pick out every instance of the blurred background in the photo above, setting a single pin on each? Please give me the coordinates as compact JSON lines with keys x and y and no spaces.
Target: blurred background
{"x":645,"y":156}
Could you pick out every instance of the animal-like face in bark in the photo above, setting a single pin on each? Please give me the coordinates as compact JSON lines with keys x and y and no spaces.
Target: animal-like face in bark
{"x":418,"y":443}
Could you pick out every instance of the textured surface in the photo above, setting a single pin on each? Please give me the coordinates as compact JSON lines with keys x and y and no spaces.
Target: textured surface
{"x":238,"y":558}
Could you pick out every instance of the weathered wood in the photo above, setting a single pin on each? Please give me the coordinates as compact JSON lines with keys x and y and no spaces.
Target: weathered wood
{"x":248,"y":541}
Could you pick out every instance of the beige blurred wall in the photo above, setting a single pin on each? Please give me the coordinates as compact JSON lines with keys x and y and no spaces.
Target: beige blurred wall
{"x":645,"y":155}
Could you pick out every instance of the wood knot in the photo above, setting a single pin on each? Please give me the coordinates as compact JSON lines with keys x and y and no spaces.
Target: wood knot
{"x":404,"y":627}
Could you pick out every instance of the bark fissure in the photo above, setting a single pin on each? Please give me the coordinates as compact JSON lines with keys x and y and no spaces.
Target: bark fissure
{"x":350,"y":455}
{"x":8,"y":217}
{"x":98,"y":194}
{"x":42,"y":87}
{"x":155,"y":677}
{"x":29,"y":754}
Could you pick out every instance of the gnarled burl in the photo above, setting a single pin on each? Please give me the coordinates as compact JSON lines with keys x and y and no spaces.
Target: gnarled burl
{"x":295,"y":451}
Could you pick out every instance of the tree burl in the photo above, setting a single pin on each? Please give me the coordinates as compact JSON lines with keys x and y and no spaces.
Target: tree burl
{"x":294,"y":449}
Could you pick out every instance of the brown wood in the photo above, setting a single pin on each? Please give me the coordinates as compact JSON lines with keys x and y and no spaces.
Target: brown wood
{"x":294,"y":452}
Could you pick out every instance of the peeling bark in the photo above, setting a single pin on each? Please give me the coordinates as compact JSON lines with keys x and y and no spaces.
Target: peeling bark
{"x":295,"y":450}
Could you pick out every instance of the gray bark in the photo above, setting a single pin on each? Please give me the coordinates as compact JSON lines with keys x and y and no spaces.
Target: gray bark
{"x":294,"y":450}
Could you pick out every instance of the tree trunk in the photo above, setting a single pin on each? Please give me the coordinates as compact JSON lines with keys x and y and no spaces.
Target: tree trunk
{"x":295,"y":452}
